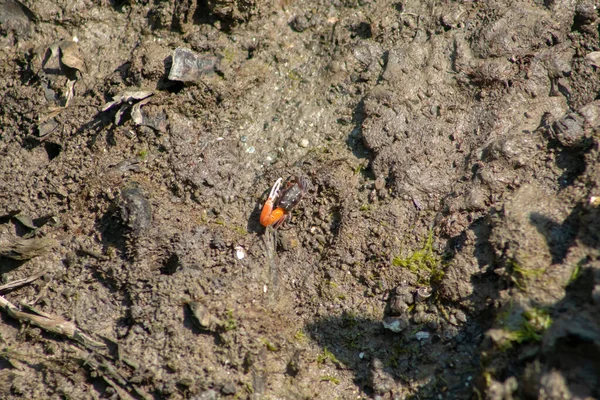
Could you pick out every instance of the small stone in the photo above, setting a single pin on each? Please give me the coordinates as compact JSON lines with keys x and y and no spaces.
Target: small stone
{"x":394,"y":324}
{"x":593,"y":58}
{"x":422,"y":335}
{"x":208,"y":395}
{"x":300,"y":23}
{"x":452,"y":320}
{"x":289,"y":241}
{"x":229,"y":388}
{"x":461,"y":316}
{"x":240,"y":253}
{"x":203,"y":318}
{"x":304,"y":143}
{"x":136,"y":211}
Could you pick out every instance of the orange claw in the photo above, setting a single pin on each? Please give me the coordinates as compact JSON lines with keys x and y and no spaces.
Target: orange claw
{"x":268,"y":216}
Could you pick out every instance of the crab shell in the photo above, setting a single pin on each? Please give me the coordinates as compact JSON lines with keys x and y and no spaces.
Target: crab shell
{"x":291,"y":196}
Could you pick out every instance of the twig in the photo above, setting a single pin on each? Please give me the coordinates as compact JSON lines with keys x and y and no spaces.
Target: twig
{"x":51,"y":323}
{"x":20,"y":282}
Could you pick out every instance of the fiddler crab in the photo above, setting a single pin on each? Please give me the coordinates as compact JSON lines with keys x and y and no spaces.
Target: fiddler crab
{"x":280,"y":203}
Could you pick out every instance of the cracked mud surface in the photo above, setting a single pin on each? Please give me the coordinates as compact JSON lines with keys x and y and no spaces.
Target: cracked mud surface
{"x":447,"y":246}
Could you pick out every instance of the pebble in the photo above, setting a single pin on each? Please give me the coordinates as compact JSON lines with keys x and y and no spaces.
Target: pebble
{"x":461,"y":316}
{"x":229,"y":388}
{"x":289,"y":241}
{"x":240,"y":253}
{"x":136,"y":210}
{"x":379,"y":183}
{"x":394,"y":324}
{"x":304,"y":143}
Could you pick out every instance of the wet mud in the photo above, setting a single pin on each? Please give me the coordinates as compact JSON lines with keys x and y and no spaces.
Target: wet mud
{"x":445,"y":245}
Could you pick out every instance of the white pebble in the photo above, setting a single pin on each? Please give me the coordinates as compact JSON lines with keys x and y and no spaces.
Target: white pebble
{"x":304,"y":143}
{"x":240,"y":253}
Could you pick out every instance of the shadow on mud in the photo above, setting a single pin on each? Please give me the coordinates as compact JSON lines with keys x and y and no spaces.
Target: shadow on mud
{"x":498,"y":337}
{"x":382,"y":360}
{"x":560,"y":237}
{"x":567,"y":359}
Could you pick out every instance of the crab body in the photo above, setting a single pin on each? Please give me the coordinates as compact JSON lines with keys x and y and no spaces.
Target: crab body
{"x":280,"y":203}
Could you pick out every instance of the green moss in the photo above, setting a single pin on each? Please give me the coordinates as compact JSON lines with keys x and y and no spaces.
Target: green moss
{"x":327,"y":356}
{"x":425,"y":263}
{"x":229,"y":55}
{"x":270,"y":346}
{"x":240,"y":230}
{"x":295,"y":76}
{"x":329,"y":378}
{"x":230,"y":322}
{"x":576,"y":272}
{"x":359,"y":169}
{"x":522,"y":276}
{"x":533,"y":325}
{"x":300,"y":336}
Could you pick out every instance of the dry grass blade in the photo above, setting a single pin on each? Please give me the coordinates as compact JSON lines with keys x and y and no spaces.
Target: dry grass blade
{"x":20,"y":282}
{"x":50,"y":323}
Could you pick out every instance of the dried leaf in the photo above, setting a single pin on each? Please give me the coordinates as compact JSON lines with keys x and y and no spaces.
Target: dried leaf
{"x":25,"y":249}
{"x":127,"y":96}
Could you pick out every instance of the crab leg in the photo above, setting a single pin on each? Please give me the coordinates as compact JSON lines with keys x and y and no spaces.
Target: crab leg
{"x":268,"y":216}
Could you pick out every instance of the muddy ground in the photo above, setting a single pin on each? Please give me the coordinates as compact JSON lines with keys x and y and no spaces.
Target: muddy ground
{"x":446,"y":248}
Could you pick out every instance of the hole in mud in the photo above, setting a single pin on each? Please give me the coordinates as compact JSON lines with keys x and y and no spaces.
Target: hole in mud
{"x":52,"y":149}
{"x":573,"y":165}
{"x":118,"y":4}
{"x":174,"y":87}
{"x":170,"y":266}
{"x":362,"y":30}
